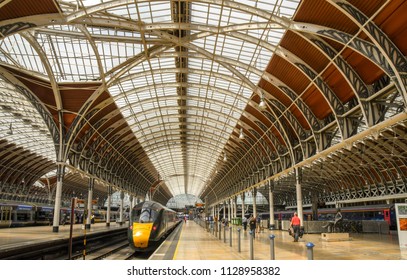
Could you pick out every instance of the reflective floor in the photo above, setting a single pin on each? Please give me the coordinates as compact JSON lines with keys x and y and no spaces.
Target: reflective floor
{"x":198,"y":244}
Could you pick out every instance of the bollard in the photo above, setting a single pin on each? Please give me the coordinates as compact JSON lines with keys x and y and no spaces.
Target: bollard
{"x":272,"y":255}
{"x":238,"y":239}
{"x":230,"y":236}
{"x":251,"y":245}
{"x":310,"y":252}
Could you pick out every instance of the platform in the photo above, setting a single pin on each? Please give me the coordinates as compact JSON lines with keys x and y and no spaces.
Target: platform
{"x":192,"y":242}
{"x":196,"y":243}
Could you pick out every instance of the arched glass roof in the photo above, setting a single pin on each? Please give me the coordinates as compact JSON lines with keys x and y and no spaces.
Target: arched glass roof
{"x":181,"y":102}
{"x":164,"y":97}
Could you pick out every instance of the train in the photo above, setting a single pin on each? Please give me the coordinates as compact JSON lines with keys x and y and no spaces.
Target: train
{"x":19,"y":215}
{"x":377,"y":212}
{"x":150,"y":222}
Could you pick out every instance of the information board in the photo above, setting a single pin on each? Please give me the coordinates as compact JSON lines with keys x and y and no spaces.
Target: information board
{"x":401,"y":216}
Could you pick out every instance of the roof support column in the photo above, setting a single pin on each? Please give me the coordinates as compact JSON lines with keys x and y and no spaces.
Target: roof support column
{"x":132,"y":201}
{"x":90,"y":195}
{"x":254,"y":202}
{"x":271,"y":204}
{"x":121,"y":220}
{"x":224,"y":210}
{"x":298,"y":180}
{"x":230,"y":210}
{"x":58,"y":195}
{"x":243,"y":207}
{"x":235,"y":206}
{"x":314,"y":201}
{"x":109,"y":203}
{"x":207,"y":210}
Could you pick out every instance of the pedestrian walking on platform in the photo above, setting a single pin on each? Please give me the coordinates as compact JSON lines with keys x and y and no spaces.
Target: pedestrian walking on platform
{"x":244,"y":223}
{"x":252,"y":225}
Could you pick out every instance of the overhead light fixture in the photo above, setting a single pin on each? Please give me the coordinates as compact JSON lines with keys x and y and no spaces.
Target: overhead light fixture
{"x":262,"y":104}
{"x":10,"y":131}
{"x":241,"y":135}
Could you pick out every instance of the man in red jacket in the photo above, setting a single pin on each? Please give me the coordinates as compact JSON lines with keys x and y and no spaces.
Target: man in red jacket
{"x":295,"y":224}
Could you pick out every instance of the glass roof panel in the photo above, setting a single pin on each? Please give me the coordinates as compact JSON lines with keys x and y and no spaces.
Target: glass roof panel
{"x":20,"y":54}
{"x":20,"y":123}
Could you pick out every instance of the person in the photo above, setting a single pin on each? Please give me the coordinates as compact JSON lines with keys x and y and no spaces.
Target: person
{"x":63,"y":219}
{"x":252,"y":225}
{"x":258,"y":224}
{"x":185,"y":218}
{"x":244,"y":222}
{"x":295,"y":224}
{"x":50,"y":219}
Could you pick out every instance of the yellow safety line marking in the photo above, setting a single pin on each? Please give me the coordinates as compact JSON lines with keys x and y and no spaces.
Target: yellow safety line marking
{"x":176,"y":248}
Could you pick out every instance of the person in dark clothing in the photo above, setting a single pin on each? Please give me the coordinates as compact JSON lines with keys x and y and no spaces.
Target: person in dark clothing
{"x":252,"y":225}
{"x":244,"y":223}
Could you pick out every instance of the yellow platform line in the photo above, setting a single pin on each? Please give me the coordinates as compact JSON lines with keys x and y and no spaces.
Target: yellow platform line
{"x":176,"y":248}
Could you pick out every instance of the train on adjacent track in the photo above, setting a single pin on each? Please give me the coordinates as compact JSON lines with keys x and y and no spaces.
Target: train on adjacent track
{"x":150,"y":222}
{"x":25,"y":214}
{"x":377,"y":212}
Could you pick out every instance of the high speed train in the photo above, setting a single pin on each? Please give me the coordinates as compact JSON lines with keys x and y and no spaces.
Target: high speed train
{"x":150,"y":222}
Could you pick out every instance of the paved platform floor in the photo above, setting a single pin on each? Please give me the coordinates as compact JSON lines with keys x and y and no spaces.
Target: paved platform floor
{"x":198,"y":244}
{"x":195,"y":243}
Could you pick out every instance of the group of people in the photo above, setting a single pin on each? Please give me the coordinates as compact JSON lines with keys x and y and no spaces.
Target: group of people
{"x":295,"y":224}
{"x":254,"y":224}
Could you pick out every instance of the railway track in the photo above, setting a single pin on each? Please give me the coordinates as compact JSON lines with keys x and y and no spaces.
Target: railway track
{"x":59,"y":249}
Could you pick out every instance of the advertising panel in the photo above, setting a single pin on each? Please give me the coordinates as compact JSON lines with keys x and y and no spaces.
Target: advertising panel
{"x":401,"y":216}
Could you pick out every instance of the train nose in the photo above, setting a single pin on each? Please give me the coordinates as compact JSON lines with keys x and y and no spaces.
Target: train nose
{"x":141,"y":234}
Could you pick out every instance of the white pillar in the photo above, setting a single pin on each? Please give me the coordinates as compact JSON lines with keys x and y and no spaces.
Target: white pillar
{"x":254,"y":202}
{"x":90,"y":195}
{"x":235,"y":206}
{"x":58,"y":197}
{"x":229,"y":210}
{"x":232,"y":209}
{"x":121,"y":220}
{"x":109,"y":203}
{"x":299,"y":194}
{"x":243,"y":210}
{"x":271,"y":205}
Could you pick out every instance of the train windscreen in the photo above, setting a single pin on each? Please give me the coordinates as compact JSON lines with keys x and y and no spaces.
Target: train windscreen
{"x":144,"y":215}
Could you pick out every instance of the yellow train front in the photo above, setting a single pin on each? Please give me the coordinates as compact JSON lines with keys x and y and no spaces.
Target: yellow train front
{"x":150,"y":222}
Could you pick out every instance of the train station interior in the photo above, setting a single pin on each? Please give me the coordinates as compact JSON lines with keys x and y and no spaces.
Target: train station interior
{"x":216,"y":109}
